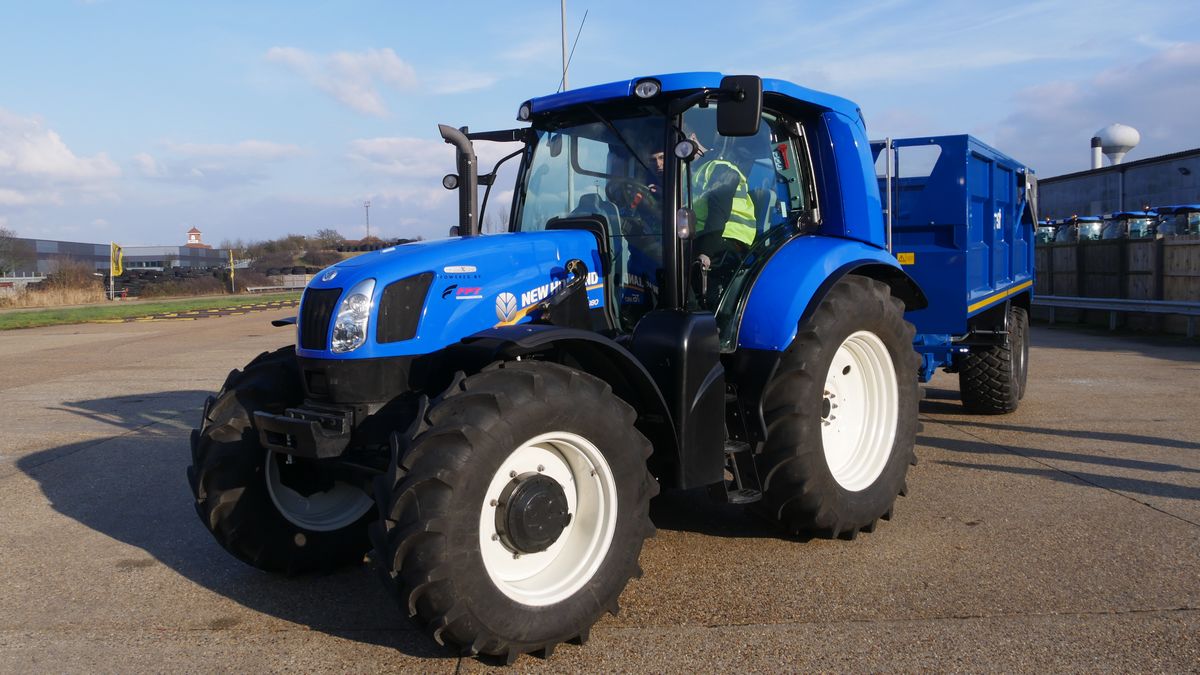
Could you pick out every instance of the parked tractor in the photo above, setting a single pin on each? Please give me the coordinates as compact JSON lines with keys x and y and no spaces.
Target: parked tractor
{"x":696,"y":292}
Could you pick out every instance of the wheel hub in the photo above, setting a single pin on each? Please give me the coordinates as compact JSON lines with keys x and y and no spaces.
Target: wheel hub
{"x":532,"y":513}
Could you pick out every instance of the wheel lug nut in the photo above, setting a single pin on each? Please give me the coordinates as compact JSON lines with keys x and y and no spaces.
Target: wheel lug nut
{"x":541,"y":468}
{"x":495,"y":537}
{"x":494,"y":502}
{"x":512,"y":474}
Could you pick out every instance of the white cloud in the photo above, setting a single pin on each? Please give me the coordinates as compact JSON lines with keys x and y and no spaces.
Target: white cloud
{"x":410,"y":157}
{"x":249,"y":149}
{"x":213,"y":166}
{"x":418,"y":157}
{"x":148,"y":166}
{"x":37,"y":167}
{"x":461,"y":81}
{"x":1054,"y":122}
{"x":353,"y":78}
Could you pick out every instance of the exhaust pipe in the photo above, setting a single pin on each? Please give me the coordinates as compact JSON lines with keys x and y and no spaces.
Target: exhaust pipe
{"x":468,"y":180}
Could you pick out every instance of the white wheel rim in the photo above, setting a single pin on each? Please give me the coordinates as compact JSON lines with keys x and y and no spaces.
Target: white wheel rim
{"x":552,"y":575}
{"x":859,"y":411}
{"x":338,"y":507}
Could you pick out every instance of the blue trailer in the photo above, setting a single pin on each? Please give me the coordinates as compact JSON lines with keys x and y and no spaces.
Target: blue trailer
{"x":962,"y":218}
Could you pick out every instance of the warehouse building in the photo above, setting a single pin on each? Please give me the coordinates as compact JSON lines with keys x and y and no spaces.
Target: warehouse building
{"x":43,"y":256}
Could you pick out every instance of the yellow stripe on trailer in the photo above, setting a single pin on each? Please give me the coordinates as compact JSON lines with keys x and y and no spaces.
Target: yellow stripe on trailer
{"x":999,"y":296}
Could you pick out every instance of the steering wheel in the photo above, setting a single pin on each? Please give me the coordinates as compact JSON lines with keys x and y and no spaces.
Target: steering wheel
{"x":627,"y":193}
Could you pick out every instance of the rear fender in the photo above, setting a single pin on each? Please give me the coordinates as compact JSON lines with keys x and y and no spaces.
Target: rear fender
{"x":584,"y":350}
{"x":798,"y":276}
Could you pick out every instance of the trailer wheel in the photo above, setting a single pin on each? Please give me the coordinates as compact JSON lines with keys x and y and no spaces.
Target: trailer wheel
{"x":1021,"y":327}
{"x":274,"y":515}
{"x":518,"y":510}
{"x":841,"y":415}
{"x":991,"y":378}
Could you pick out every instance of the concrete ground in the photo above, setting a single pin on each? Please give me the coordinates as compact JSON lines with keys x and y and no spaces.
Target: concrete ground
{"x":1063,"y":537}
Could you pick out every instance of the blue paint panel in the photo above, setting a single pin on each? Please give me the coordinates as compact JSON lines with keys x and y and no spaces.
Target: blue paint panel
{"x":962,"y":222}
{"x":525,"y":264}
{"x":788,"y":283}
{"x":674,"y":82}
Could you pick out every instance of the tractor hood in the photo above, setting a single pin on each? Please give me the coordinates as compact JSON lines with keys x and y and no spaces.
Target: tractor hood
{"x":428,"y":295}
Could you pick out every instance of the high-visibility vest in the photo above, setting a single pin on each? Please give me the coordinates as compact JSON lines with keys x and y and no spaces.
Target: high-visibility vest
{"x":741,"y":224}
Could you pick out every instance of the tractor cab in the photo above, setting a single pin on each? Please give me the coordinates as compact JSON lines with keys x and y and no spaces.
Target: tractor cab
{"x":1128,"y":225}
{"x":1045,"y":232}
{"x":1179,"y":219}
{"x":1077,"y":228}
{"x":689,"y":206}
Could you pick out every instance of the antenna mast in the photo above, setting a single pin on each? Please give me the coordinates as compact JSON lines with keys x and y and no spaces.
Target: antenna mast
{"x":563,"y":15}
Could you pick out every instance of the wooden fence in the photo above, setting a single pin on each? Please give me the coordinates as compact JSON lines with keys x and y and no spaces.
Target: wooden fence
{"x":1136,"y":269}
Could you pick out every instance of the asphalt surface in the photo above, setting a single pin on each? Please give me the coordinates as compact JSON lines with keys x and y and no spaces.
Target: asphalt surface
{"x":1063,"y":537}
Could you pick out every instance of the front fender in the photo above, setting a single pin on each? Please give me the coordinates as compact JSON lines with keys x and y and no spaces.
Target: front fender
{"x":795,"y":279}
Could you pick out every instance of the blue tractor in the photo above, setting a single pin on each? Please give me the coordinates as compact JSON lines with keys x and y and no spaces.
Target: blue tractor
{"x":696,"y":291}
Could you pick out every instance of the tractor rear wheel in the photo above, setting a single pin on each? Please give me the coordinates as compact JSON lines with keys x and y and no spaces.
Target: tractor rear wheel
{"x":841,"y":415}
{"x":279,"y":516}
{"x":991,"y":378}
{"x":517,"y":511}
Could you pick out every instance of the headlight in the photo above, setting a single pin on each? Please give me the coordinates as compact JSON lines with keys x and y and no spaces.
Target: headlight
{"x":647,"y":88}
{"x":353,"y":317}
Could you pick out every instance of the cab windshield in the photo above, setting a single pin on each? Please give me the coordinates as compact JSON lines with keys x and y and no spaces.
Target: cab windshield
{"x":605,"y":163}
{"x":749,"y":196}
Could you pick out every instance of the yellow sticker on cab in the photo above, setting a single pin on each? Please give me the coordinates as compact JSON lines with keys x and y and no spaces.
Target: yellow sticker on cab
{"x":907,"y":258}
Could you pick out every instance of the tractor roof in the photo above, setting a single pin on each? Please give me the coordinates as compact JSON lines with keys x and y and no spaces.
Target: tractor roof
{"x":687,"y":81}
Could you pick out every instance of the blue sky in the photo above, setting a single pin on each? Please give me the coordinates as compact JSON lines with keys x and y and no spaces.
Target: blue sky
{"x":134,"y":121}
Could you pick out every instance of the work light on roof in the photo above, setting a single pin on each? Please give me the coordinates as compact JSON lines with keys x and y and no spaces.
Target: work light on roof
{"x":525,"y":112}
{"x":647,"y":88}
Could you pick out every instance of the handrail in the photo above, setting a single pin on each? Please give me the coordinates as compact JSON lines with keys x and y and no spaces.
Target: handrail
{"x":1115,"y":305}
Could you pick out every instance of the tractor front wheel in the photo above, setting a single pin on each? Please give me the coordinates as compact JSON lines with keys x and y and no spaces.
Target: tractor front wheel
{"x":517,"y":512}
{"x":273,"y":512}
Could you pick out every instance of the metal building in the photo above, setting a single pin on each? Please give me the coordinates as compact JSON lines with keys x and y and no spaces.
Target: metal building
{"x":1129,"y":186}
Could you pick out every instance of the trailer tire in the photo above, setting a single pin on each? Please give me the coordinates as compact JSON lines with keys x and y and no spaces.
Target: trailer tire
{"x":1021,"y":327}
{"x":991,"y":377}
{"x":822,"y":476}
{"x":476,"y":584}
{"x":239,"y":492}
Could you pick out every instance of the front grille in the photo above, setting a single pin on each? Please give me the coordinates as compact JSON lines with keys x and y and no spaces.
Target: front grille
{"x":316,"y":308}
{"x":400,"y":308}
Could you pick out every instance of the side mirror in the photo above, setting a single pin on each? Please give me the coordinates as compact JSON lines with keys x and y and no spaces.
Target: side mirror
{"x":740,"y":114}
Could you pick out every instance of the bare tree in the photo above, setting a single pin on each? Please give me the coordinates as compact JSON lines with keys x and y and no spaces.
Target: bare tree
{"x":328,"y":239}
{"x":14,"y":253}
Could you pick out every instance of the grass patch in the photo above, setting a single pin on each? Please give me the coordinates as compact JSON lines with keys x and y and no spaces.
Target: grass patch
{"x":31,"y":318}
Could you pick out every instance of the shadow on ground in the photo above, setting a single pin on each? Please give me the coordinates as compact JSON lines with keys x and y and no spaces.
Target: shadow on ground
{"x":136,"y":492}
{"x":132,"y":487}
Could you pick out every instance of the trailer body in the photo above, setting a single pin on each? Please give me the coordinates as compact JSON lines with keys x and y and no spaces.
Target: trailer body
{"x":962,"y":225}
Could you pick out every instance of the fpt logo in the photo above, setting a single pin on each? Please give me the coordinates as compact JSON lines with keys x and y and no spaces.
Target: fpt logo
{"x":506,"y":306}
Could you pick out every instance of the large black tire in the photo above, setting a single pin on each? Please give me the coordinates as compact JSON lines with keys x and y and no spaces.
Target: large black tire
{"x":990,"y":378}
{"x":815,"y":482}
{"x":429,"y":539}
{"x":229,"y":475}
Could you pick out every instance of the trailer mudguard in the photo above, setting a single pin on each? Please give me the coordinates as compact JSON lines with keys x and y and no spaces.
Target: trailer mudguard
{"x":586,"y":351}
{"x":795,"y":279}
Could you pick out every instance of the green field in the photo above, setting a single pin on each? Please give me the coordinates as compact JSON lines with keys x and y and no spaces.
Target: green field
{"x":115,"y":311}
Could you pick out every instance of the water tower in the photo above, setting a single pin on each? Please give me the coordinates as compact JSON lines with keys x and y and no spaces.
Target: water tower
{"x":1114,"y":141}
